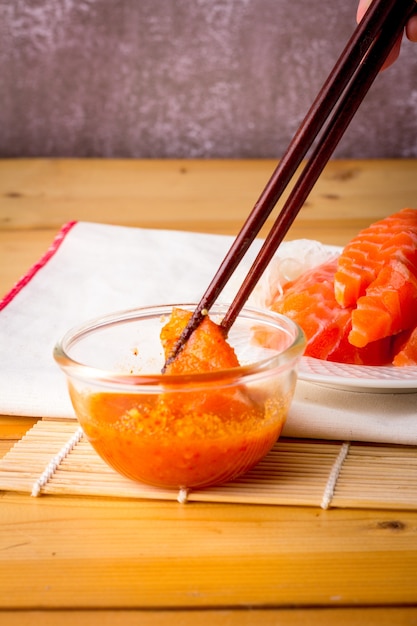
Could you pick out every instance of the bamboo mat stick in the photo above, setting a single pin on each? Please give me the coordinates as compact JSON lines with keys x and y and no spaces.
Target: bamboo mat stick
{"x":296,"y":472}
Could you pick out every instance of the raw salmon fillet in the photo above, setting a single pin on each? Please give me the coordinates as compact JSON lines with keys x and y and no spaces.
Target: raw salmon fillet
{"x":309,"y":300}
{"x":362,"y":307}
{"x":405,"y":348}
{"x":377,"y":275}
{"x":394,"y":237}
{"x":388,"y":307}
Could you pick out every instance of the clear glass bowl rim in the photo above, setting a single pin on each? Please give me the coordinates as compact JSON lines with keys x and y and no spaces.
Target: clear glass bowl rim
{"x":82,"y":371}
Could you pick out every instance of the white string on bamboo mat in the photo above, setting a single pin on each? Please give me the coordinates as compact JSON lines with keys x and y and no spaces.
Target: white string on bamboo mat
{"x":54,"y":463}
{"x":182,"y":497}
{"x":334,"y":475}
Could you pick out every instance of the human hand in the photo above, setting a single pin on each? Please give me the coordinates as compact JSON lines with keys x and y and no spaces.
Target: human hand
{"x":410,"y":31}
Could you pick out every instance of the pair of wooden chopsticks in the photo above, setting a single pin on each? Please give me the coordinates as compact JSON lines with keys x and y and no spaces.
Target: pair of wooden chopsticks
{"x":329,"y":116}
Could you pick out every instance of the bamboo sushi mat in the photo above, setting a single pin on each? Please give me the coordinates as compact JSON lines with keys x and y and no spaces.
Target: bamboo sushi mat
{"x":55,"y":458}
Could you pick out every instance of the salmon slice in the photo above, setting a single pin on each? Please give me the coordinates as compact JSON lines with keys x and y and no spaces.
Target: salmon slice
{"x":405,"y":348}
{"x":206,"y":350}
{"x":389,"y":305}
{"x":309,"y":300}
{"x":374,"y":353}
{"x":394,"y":237}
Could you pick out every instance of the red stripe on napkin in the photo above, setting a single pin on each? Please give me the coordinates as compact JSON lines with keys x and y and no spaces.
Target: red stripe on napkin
{"x":41,"y":263}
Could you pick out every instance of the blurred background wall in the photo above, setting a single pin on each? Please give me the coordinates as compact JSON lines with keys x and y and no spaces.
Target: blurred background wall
{"x":185,"y":78}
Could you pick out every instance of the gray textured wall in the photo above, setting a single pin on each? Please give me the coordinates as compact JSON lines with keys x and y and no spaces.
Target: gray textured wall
{"x":185,"y":78}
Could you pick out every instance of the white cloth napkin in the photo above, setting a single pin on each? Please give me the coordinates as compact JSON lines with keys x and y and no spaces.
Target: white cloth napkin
{"x":93,"y":269}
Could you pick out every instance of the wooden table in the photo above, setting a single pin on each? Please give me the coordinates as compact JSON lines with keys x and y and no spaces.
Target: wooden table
{"x":111,"y":562}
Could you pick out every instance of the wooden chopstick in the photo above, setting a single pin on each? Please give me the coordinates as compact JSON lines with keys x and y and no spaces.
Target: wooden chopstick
{"x":341,"y":117}
{"x":331,"y":112}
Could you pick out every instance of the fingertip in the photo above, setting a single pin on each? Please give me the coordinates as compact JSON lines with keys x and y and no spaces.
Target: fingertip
{"x":362,"y":8}
{"x":411,"y":28}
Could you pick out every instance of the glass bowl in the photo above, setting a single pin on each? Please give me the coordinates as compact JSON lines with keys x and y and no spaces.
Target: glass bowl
{"x":188,"y":430}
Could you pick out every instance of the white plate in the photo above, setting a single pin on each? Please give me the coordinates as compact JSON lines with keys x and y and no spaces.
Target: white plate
{"x":379,"y":379}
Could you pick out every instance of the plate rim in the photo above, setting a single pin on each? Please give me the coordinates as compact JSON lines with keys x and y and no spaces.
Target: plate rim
{"x":358,"y":380}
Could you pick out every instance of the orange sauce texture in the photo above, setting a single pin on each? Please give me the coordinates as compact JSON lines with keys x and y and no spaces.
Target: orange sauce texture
{"x":164,"y":441}
{"x":192,"y":436}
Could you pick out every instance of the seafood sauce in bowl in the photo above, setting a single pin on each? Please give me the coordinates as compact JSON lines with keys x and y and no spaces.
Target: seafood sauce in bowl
{"x":209,"y":418}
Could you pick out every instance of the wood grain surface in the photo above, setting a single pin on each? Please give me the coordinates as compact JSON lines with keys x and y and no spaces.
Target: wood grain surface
{"x":98,"y":553}
{"x":105,"y":561}
{"x":37,"y":196}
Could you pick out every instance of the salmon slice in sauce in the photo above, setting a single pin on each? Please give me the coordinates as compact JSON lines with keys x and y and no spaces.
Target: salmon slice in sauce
{"x":206,"y":350}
